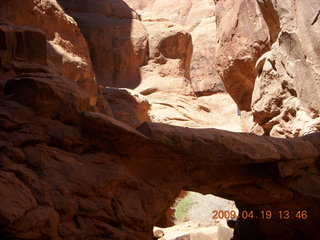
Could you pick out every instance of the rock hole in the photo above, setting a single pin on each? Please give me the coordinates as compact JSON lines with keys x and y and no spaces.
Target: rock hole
{"x":195,"y":216}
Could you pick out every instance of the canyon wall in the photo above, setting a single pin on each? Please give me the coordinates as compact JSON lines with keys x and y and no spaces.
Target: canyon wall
{"x":267,"y":56}
{"x":67,"y":49}
{"x":198,"y":18}
{"x":76,"y":161}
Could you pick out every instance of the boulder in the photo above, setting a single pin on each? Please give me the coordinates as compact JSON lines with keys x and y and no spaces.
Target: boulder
{"x":127,"y":105}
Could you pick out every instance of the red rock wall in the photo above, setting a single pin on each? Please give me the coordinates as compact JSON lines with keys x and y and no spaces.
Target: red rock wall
{"x":66,"y":47}
{"x":67,"y":172}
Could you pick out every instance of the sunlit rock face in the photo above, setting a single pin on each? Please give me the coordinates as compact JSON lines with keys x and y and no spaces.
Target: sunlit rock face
{"x":291,"y":70}
{"x":67,"y":49}
{"x":69,"y":170}
{"x":268,"y":58}
{"x":180,"y":80}
{"x":243,"y":36}
{"x":198,"y":18}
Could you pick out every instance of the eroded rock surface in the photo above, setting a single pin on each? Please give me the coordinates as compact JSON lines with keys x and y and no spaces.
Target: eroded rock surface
{"x":179,"y":79}
{"x":198,"y":18}
{"x":116,"y":37}
{"x":289,"y":106}
{"x":268,"y":58}
{"x":66,"y":47}
{"x":67,"y":172}
{"x":243,"y":36}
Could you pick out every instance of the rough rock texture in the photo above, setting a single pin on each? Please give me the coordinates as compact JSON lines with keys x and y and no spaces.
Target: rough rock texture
{"x":67,"y":49}
{"x":198,"y":18}
{"x":268,"y":58}
{"x":243,"y":36}
{"x":188,"y":232}
{"x":153,"y":57}
{"x":127,"y":105}
{"x":116,"y":37}
{"x":67,"y":172}
{"x":289,"y":106}
{"x":180,"y":70}
{"x":167,"y":72}
{"x":95,"y":177}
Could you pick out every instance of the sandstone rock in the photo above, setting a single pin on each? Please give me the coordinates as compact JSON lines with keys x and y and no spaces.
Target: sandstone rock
{"x":167,"y":85}
{"x":282,"y":104}
{"x":287,"y":108}
{"x":66,"y":47}
{"x":190,"y":231}
{"x":71,"y":173}
{"x":127,"y":105}
{"x":243,"y":36}
{"x":204,"y":76}
{"x":217,"y":111}
{"x":16,"y":198}
{"x":26,"y":44}
{"x":158,"y":234}
{"x":47,"y":96}
{"x":170,"y":46}
{"x":198,"y":18}
{"x":103,"y":187}
{"x":103,"y":106}
{"x":117,"y":40}
{"x":38,"y":223}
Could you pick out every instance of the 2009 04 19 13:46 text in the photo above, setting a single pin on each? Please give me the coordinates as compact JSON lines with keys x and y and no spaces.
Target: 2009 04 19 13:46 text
{"x":267,"y":214}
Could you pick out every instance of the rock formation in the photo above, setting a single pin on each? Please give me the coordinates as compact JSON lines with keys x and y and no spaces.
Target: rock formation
{"x":198,"y":18}
{"x":291,"y":70}
{"x":69,"y":170}
{"x":179,"y":79}
{"x":117,"y":40}
{"x":66,"y":47}
{"x":268,"y":58}
{"x":243,"y":36}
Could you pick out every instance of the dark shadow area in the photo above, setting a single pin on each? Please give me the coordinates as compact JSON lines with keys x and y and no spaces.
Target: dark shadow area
{"x":241,"y":167}
{"x":107,"y":27}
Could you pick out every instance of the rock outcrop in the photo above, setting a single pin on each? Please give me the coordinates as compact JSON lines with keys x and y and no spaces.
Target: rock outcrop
{"x":179,"y":79}
{"x":243,"y":36}
{"x":68,"y":171}
{"x":92,"y":176}
{"x":267,"y":56}
{"x":66,"y":47}
{"x":198,"y":18}
{"x":116,"y":37}
{"x":127,"y":105}
{"x":289,"y":106}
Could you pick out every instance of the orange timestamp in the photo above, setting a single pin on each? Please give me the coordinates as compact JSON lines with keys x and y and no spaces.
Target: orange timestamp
{"x":261,"y":215}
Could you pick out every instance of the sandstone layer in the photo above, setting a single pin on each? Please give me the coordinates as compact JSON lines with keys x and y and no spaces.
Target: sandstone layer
{"x":117,"y":40}
{"x":179,"y":79}
{"x":267,"y":56}
{"x":198,"y":18}
{"x":67,"y":49}
{"x":69,"y":170}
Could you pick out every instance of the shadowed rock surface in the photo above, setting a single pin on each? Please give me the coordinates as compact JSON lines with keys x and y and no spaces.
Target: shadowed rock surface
{"x":117,"y":39}
{"x":67,"y":49}
{"x":68,"y":171}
